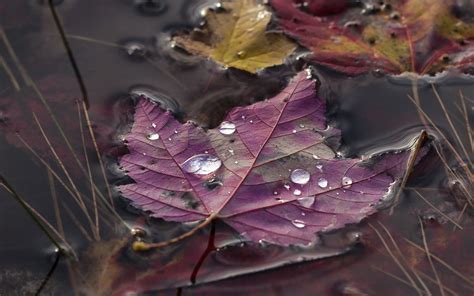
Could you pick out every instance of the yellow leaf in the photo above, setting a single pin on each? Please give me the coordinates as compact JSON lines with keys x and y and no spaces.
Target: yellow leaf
{"x":236,"y":36}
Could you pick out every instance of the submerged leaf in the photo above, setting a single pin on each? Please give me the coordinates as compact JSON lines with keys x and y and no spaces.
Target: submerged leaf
{"x":236,"y":36}
{"x":273,"y":179}
{"x":422,"y":36}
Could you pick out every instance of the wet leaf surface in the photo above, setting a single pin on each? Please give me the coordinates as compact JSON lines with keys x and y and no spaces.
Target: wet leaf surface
{"x":235,"y":35}
{"x":267,"y":170}
{"x":419,"y":36}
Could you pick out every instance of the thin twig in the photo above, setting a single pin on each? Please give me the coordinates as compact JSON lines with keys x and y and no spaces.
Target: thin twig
{"x":437,"y":210}
{"x":91,"y":181}
{"x":38,"y":219}
{"x":9,"y":73}
{"x":394,"y":243}
{"x":395,"y":259}
{"x":451,"y":125}
{"x":427,"y":251}
{"x":469,"y":281}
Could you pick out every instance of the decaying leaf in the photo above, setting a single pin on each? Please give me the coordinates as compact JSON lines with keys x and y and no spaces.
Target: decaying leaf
{"x":235,"y":36}
{"x":422,"y":36}
{"x":266,"y":170}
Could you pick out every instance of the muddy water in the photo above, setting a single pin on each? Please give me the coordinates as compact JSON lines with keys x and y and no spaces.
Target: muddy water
{"x":122,"y":48}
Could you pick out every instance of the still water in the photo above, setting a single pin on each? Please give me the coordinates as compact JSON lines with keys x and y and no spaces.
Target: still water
{"x":122,"y":49}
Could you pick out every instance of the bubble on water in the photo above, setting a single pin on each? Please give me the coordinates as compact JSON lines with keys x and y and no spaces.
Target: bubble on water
{"x":346,"y":182}
{"x":297,"y":192}
{"x":202,"y":164}
{"x":300,"y":176}
{"x":227,"y":128}
{"x":136,"y":49}
{"x":322,"y":182}
{"x":150,"y":7}
{"x":153,"y":136}
{"x":306,"y":201}
{"x":298,"y":223}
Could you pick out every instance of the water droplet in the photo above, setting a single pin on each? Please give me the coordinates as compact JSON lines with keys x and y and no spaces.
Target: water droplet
{"x":227,"y":128}
{"x":135,"y":49}
{"x":241,"y":54}
{"x":294,"y":131}
{"x":275,"y":192}
{"x":301,"y":125}
{"x":297,"y":192}
{"x":315,"y":157}
{"x":262,"y":14}
{"x":322,"y":182}
{"x":346,"y":182}
{"x":202,"y":164}
{"x":300,"y":176}
{"x":138,"y":232}
{"x":231,"y":151}
{"x":153,"y":125}
{"x":298,"y":223}
{"x":243,"y":117}
{"x":251,"y":121}
{"x":153,"y":136}
{"x":287,"y":187}
{"x":307,"y":201}
{"x":319,"y":167}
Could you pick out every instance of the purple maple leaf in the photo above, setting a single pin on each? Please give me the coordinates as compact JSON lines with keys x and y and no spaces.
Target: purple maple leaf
{"x":267,"y":170}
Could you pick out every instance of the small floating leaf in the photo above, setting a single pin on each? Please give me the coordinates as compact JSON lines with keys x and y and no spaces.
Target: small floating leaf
{"x":236,"y":36}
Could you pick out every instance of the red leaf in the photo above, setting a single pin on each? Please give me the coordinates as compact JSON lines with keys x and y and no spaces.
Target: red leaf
{"x":266,"y":171}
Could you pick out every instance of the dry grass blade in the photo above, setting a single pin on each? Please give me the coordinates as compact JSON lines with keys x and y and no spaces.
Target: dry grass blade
{"x":466,"y":120}
{"x":96,"y":147}
{"x":410,"y":164}
{"x":54,"y":196}
{"x":9,"y":72}
{"x":68,"y":177}
{"x":427,"y":251}
{"x":395,"y":259}
{"x":469,"y":281}
{"x":88,"y":166}
{"x":451,"y":125}
{"x":398,"y":279}
{"x":12,"y":53}
{"x":440,"y":132}
{"x":433,"y":281}
{"x":42,"y":223}
{"x":437,"y":210}
{"x":394,"y":243}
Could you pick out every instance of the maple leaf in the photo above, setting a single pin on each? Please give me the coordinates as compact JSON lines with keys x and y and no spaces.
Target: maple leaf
{"x":266,"y":170}
{"x":422,"y":36}
{"x":236,"y":36}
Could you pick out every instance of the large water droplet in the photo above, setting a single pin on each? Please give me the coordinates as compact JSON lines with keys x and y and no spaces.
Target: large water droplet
{"x":322,"y":182}
{"x":346,"y":182}
{"x":300,"y":176}
{"x":307,"y":201}
{"x":298,"y":223}
{"x":202,"y":164}
{"x":153,"y":136}
{"x":227,"y":128}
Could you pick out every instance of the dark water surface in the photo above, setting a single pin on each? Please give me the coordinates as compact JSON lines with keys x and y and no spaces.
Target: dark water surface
{"x":122,"y":49}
